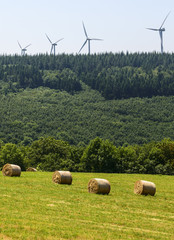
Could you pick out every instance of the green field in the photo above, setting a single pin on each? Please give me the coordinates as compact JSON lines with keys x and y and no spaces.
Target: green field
{"x":33,"y":207}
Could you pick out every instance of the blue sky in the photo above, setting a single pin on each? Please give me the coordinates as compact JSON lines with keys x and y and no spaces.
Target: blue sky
{"x":120,"y":23}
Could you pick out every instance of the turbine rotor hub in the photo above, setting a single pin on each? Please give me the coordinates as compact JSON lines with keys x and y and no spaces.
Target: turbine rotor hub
{"x":162,"y":29}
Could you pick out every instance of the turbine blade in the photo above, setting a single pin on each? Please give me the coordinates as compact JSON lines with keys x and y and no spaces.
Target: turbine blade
{"x":83,"y":46}
{"x":51,"y":49}
{"x":59,"y":40}
{"x":85,"y":30}
{"x":48,"y":38}
{"x":27,"y":46}
{"x":165,"y":20}
{"x":19,"y":45}
{"x":153,"y":29}
{"x":98,"y":39}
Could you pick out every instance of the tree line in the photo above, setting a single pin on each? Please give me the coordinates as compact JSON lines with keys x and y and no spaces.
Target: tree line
{"x":115,"y":76}
{"x":49,"y":154}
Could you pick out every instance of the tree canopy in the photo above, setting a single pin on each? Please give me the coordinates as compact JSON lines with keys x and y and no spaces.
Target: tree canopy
{"x":115,"y":76}
{"x":49,"y":154}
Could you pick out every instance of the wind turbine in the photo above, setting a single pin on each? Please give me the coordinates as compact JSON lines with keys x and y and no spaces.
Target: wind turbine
{"x":160,"y":30}
{"x":23,"y":50}
{"x":53,"y":45}
{"x":88,"y":40}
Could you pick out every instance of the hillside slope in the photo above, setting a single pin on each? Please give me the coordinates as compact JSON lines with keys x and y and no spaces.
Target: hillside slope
{"x":79,"y":117}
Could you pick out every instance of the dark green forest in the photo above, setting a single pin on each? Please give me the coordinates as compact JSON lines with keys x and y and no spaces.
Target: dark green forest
{"x":115,"y":76}
{"x":125,"y":99}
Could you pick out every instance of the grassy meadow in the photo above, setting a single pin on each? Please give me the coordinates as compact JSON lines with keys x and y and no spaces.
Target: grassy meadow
{"x":33,"y":207}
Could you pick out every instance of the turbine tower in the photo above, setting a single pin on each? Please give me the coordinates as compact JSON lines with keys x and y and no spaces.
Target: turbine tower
{"x":160,"y":30}
{"x":53,"y":45}
{"x":23,"y":50}
{"x":88,"y":40}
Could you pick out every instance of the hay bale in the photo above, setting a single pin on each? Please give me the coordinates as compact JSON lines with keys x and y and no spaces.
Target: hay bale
{"x":62,"y":177}
{"x":144,"y":188}
{"x":31,"y":169}
{"x":11,"y":170}
{"x":99,"y":186}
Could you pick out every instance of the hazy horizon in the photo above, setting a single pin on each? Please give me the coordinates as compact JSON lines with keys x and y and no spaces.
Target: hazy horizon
{"x":121,"y":24}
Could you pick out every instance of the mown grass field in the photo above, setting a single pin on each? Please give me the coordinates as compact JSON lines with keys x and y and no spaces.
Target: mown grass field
{"x":33,"y":207}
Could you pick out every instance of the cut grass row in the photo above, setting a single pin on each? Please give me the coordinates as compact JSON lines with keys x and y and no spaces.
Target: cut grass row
{"x":33,"y":207}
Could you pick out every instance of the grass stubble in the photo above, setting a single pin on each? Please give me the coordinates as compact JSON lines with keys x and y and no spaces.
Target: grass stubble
{"x":33,"y":207}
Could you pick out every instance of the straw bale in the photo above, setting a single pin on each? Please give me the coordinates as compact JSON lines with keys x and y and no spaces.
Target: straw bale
{"x":62,"y":177}
{"x":99,"y":186}
{"x":142,"y":187}
{"x":31,"y":169}
{"x":11,"y":170}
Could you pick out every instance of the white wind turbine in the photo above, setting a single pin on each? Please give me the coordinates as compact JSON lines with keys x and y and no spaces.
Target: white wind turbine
{"x":160,"y":30}
{"x":88,"y":40}
{"x":23,"y":50}
{"x":53,"y":45}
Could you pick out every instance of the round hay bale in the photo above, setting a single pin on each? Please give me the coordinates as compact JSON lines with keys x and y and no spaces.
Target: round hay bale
{"x":99,"y":186}
{"x":142,"y":187}
{"x":31,"y":169}
{"x":62,"y":177}
{"x":11,"y":170}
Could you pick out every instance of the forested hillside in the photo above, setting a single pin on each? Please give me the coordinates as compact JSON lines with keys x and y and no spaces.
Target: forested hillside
{"x":126,"y":98}
{"x":107,"y":113}
{"x":78,"y":118}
